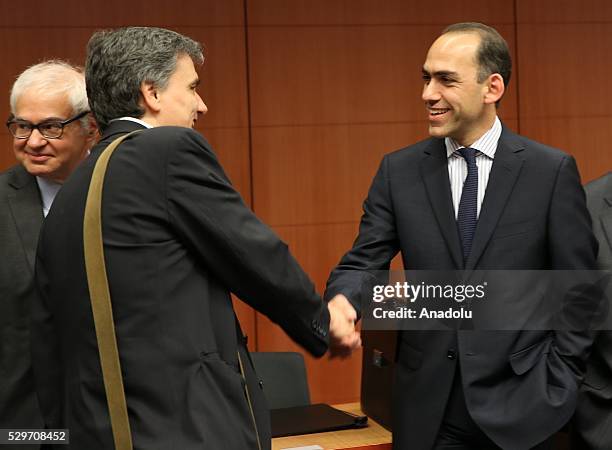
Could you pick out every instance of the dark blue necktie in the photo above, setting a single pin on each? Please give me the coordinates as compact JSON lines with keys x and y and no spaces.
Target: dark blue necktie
{"x":468,"y":205}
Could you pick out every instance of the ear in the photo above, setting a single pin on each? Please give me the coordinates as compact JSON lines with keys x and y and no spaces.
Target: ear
{"x":92,"y":130}
{"x":494,"y":88}
{"x":150,"y":96}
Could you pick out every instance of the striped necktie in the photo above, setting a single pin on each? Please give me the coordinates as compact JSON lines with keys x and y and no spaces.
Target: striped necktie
{"x":468,"y":205}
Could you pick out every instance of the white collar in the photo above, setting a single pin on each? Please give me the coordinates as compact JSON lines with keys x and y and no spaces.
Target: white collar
{"x":48,"y":191}
{"x":134,"y":119}
{"x":486,"y":144}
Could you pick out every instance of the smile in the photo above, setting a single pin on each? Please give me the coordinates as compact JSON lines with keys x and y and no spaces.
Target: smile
{"x":38,"y":156}
{"x":438,"y":112}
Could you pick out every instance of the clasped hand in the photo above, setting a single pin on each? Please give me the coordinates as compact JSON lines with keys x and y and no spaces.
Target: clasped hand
{"x":343,"y":337}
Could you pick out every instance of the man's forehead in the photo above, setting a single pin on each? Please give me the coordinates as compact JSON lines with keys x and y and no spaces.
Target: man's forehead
{"x":452,"y":51}
{"x":457,"y":41}
{"x":34,"y":103}
{"x":185,"y":64}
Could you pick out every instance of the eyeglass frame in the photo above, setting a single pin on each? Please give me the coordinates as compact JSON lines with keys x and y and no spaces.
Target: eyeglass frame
{"x":36,"y":126}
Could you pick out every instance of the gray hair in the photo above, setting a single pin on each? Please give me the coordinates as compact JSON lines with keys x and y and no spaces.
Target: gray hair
{"x":119,"y":61}
{"x":54,"y":77}
{"x":493,"y":55}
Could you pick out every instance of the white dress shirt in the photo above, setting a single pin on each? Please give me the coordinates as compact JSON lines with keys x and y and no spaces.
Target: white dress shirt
{"x":486,"y":147}
{"x":48,"y":190}
{"x":134,"y":119}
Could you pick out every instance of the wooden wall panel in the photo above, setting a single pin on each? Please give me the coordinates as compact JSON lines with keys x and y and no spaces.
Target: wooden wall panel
{"x":375,"y":12}
{"x":587,"y":138}
{"x":321,"y":174}
{"x":231,"y":145}
{"x":563,"y":54}
{"x":340,"y":75}
{"x":337,"y":75}
{"x":7,"y":157}
{"x":563,"y":11}
{"x":223,"y":87}
{"x":119,"y":13}
{"x":561,"y":69}
{"x":319,"y":248}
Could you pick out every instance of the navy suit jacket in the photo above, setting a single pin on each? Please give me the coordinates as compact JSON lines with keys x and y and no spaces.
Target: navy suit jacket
{"x":520,"y":386}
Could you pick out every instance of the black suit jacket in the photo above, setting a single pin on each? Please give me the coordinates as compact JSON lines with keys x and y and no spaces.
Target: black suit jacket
{"x":21,"y":217}
{"x":177,"y":239}
{"x":593,"y":421}
{"x":520,"y":387}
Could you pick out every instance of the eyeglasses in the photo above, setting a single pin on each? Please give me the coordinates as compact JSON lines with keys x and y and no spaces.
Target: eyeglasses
{"x":50,"y":129}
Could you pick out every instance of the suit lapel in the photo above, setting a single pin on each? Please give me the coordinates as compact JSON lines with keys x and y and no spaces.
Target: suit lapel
{"x":434,"y":170}
{"x":26,"y":209}
{"x":504,"y":173}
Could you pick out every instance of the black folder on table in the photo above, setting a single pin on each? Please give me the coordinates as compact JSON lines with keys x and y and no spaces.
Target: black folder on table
{"x":312,"y":419}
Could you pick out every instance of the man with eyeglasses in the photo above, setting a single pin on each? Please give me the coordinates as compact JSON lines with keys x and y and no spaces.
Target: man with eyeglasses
{"x":53,"y":133}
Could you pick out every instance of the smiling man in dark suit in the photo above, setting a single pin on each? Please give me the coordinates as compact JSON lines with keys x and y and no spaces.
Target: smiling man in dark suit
{"x":475,"y":196}
{"x":177,"y":240}
{"x":52,"y":133}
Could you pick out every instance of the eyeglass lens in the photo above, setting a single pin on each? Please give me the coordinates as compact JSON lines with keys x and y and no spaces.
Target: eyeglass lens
{"x":50,"y":129}
{"x":22,"y":129}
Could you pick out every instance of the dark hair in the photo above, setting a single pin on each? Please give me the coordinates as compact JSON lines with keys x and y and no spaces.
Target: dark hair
{"x":119,"y":61}
{"x":493,"y":55}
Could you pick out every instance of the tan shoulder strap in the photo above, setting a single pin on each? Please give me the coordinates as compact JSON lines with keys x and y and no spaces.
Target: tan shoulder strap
{"x":101,"y":302}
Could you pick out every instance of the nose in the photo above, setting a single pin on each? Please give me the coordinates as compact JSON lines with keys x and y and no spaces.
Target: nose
{"x":202,"y":108}
{"x":36,"y":140}
{"x":430,"y":92}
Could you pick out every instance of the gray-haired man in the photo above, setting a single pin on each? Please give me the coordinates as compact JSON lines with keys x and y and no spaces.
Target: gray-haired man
{"x":52,"y":133}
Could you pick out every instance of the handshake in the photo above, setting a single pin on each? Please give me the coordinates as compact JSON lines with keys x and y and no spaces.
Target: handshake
{"x":343,"y":338}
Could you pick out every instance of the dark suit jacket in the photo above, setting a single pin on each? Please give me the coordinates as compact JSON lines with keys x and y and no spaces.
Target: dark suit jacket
{"x":177,"y":239}
{"x":20,"y":221}
{"x":520,"y":387}
{"x":593,"y":421}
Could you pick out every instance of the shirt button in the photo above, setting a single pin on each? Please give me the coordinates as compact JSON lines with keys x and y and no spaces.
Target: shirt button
{"x":451,"y":354}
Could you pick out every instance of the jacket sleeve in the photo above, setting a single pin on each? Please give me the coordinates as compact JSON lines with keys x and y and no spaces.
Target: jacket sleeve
{"x":239,"y":249}
{"x":375,"y":246}
{"x":572,"y":246}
